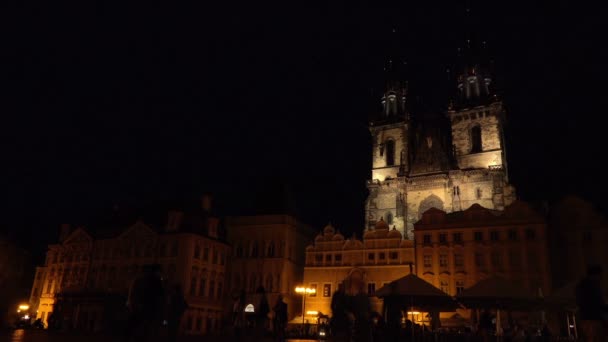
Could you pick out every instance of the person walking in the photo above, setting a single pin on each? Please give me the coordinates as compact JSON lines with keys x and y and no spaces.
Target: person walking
{"x":280,"y":318}
{"x":175,"y":310}
{"x":145,"y":304}
{"x":591,"y":305}
{"x":339,"y":323}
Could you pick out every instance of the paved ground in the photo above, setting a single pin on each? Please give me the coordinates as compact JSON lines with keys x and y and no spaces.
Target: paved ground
{"x":44,"y":336}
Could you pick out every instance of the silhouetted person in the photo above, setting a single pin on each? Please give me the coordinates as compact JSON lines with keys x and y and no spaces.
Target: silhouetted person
{"x":339,"y":323}
{"x":592,"y":308}
{"x":238,"y":315}
{"x":485,"y":325}
{"x":145,"y":304}
{"x":175,"y":310}
{"x":360,"y":307}
{"x":280,"y":318}
{"x":262,"y":309}
{"x":393,"y":319}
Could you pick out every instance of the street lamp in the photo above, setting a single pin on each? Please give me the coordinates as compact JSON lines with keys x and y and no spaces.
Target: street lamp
{"x":304,"y":291}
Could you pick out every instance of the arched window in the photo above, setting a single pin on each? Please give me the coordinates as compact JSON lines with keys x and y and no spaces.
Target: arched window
{"x":197,"y":251}
{"x":239,"y":250}
{"x":270,"y":252}
{"x":254,"y":249}
{"x":390,"y":152}
{"x":476,"y":139}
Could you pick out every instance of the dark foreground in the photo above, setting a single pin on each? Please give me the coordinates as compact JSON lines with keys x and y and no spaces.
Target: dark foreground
{"x":45,"y":336}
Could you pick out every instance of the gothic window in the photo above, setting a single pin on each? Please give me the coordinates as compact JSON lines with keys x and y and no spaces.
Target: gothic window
{"x":390,"y":152}
{"x":476,"y":139}
{"x":430,"y":202}
{"x":389,"y":218}
{"x":478,"y":193}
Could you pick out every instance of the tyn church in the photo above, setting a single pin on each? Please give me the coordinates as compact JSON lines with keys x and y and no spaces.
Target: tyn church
{"x":450,"y":162}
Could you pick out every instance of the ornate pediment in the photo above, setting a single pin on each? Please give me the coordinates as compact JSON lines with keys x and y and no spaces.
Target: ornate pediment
{"x":79,"y":236}
{"x":139,"y":231}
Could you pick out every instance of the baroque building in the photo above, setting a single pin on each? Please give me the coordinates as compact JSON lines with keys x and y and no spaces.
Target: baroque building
{"x":422,"y":161}
{"x":456,"y":250}
{"x":268,"y":254}
{"x":86,"y":275}
{"x":382,"y":256}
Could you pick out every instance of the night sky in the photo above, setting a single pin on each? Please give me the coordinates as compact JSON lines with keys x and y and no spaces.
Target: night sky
{"x":266,"y":105}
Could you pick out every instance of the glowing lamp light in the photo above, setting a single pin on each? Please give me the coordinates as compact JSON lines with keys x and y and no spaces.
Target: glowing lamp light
{"x":26,"y":317}
{"x":250,"y":308}
{"x":24,"y":307}
{"x":413,"y":312}
{"x":305,"y":290}
{"x":312,"y":312}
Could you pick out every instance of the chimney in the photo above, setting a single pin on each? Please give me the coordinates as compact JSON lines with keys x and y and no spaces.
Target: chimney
{"x":206,"y":202}
{"x":212,"y":227}
{"x":64,"y":231}
{"x":174,"y":220}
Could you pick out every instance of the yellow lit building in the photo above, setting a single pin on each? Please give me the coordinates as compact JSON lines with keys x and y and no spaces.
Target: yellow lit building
{"x":86,"y":277}
{"x":268,"y":252}
{"x":456,"y":250}
{"x":380,"y":257}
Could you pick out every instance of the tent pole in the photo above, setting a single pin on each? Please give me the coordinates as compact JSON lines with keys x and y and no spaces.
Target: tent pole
{"x":574,"y":323}
{"x":568,"y":324}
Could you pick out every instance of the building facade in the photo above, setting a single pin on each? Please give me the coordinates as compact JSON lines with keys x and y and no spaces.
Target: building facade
{"x":268,"y":253}
{"x":578,"y":238}
{"x":423,"y":161}
{"x":86,"y":278}
{"x":382,"y":256}
{"x":456,"y":250}
{"x":15,"y":274}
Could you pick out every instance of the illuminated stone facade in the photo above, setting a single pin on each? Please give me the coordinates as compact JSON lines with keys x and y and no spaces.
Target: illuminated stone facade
{"x":381,"y":257}
{"x":456,"y":250}
{"x":88,"y":276}
{"x":268,"y":251}
{"x":420,"y":161}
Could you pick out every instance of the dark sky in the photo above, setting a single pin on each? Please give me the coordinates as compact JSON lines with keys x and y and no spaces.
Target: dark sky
{"x":267,"y":103}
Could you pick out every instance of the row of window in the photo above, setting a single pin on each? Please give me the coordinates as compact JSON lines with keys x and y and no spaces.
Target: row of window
{"x":496,"y":260}
{"x":198,"y":287}
{"x":370,"y":256}
{"x":165,"y":249}
{"x":217,"y":257}
{"x":201,"y":324}
{"x":268,"y":250}
{"x":494,"y":235}
{"x":269,"y":282}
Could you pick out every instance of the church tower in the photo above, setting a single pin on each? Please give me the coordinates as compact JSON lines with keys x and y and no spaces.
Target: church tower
{"x":390,"y":135}
{"x":477,"y":119}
